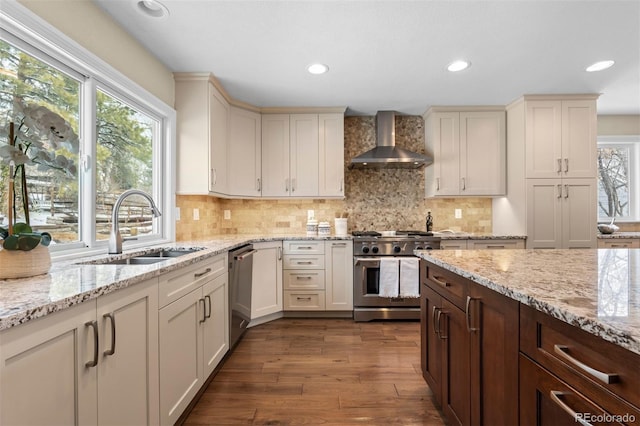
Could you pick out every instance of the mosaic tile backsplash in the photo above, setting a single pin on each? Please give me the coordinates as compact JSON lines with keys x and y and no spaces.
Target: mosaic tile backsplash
{"x":389,"y":199}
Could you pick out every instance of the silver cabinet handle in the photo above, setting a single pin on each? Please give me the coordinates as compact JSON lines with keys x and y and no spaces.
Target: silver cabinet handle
{"x":464,"y":184}
{"x":606,"y":378}
{"x":555,"y":397}
{"x":94,"y":325}
{"x":204,"y":311}
{"x":618,"y":245}
{"x":559,"y":169}
{"x":305,"y":248}
{"x":200,"y":274}
{"x":304,"y":298}
{"x":293,"y":185}
{"x":214,"y":176}
{"x":566,"y":165}
{"x":305,"y":263}
{"x":339,"y":244}
{"x":559,"y":191}
{"x":467,"y":314}
{"x":208,"y":299}
{"x":433,"y":321}
{"x":494,"y":247}
{"x":440,"y":313}
{"x":279,"y":254}
{"x":438,"y":184}
{"x":259,"y":185}
{"x":440,"y":281}
{"x":286,"y":185}
{"x":566,"y":191}
{"x":341,"y":185}
{"x":306,"y":277}
{"x":112,"y":319}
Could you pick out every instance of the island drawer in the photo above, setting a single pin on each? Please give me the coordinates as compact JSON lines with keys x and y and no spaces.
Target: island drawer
{"x":581,"y":359}
{"x":448,"y":285}
{"x":304,"y":280}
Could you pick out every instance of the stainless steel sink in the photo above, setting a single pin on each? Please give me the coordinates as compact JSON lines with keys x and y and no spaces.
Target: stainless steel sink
{"x":145,"y":258}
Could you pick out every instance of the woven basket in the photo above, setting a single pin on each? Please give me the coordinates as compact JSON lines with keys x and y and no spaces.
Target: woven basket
{"x":23,"y":264}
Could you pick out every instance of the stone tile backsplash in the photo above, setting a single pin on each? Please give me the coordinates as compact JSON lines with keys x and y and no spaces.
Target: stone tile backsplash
{"x":388,"y":199}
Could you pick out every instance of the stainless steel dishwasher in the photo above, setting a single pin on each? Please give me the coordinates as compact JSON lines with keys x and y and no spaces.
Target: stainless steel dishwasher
{"x":240,"y":275}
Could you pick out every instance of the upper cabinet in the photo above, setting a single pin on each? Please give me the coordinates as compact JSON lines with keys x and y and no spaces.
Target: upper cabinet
{"x":230,"y":149}
{"x":469,"y":151}
{"x":560,"y":137}
{"x":303,"y":155}
{"x":202,"y":122}
{"x":245,"y":153}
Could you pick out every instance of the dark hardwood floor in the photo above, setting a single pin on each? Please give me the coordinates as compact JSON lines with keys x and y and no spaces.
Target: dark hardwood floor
{"x":321,"y":371}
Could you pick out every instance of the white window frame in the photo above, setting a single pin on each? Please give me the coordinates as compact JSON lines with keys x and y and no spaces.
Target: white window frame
{"x":23,"y":28}
{"x":632,"y":142}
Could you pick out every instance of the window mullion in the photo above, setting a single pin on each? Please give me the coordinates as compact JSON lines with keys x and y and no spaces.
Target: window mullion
{"x":88,"y":164}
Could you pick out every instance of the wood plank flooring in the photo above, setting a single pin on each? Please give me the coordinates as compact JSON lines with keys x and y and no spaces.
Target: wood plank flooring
{"x":321,"y":371}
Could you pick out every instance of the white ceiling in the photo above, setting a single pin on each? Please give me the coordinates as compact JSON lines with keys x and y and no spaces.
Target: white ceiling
{"x":393,"y":54}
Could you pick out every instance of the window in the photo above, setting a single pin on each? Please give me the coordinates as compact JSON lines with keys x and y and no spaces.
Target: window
{"x":618,"y":189}
{"x":124,"y":140}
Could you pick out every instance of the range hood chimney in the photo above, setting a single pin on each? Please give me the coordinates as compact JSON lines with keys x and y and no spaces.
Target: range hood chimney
{"x":386,"y":155}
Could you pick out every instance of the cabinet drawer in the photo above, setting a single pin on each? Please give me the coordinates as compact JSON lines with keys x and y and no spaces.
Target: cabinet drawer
{"x":176,"y":284}
{"x":448,"y":285}
{"x":619,"y":243}
{"x":453,"y":244}
{"x":303,"y":247}
{"x":304,"y":280}
{"x":298,"y":261}
{"x":495,"y":244}
{"x":303,"y":300}
{"x":579,"y":358}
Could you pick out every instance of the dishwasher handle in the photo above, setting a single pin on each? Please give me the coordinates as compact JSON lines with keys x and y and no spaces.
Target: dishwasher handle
{"x":246,"y":254}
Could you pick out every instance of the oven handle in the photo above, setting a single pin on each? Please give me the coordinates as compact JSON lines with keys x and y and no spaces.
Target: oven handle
{"x":373,"y":261}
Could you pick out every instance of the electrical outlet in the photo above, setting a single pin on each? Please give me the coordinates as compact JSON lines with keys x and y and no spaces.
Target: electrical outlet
{"x":177,"y":213}
{"x":458,"y":213}
{"x":311,"y":214}
{"x":227,"y":214}
{"x":196,"y":214}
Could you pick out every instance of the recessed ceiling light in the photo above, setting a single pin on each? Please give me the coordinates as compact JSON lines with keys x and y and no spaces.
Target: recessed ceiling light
{"x":599,"y":66}
{"x":317,"y":68}
{"x":458,"y":66}
{"x":152,"y":8}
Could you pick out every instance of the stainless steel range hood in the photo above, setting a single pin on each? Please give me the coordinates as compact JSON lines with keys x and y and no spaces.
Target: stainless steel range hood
{"x":386,"y":155}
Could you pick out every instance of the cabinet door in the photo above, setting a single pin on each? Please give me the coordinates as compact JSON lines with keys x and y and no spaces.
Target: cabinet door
{"x":181,"y":363}
{"x":579,"y":214}
{"x":543,"y":139}
{"x":579,"y":134}
{"x":266,"y":284}
{"x":244,"y":153}
{"x":218,"y":123}
{"x":128,"y":366}
{"x":431,"y":344}
{"x":456,"y":397}
{"x":275,"y":155}
{"x":215,"y":328}
{"x":331,"y":157}
{"x":482,"y":153}
{"x":339,"y":276}
{"x":492,"y":321}
{"x":446,"y":153}
{"x":304,"y":152}
{"x":43,"y":376}
{"x":544,"y":213}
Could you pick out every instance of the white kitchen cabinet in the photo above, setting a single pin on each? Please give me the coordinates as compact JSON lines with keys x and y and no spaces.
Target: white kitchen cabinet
{"x":202,"y":125}
{"x":266,"y":284}
{"x":338,"y":275}
{"x":469,"y":152}
{"x":75,"y":370}
{"x":304,"y":275}
{"x":302,"y":155}
{"x":561,"y":138}
{"x":244,"y":153}
{"x":193,"y":331}
{"x":561,"y":213}
{"x":495,"y":244}
{"x":613,"y":243}
{"x":453,"y":244}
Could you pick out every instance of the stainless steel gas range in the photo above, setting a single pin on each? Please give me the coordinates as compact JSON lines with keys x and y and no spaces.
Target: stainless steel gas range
{"x":374,"y":260}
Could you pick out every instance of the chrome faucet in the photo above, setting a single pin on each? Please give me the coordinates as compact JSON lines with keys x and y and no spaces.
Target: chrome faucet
{"x":115,"y":239}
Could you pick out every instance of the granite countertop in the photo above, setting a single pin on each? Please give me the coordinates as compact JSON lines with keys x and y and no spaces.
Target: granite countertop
{"x":619,"y":235}
{"x":69,"y":283}
{"x":472,"y":236}
{"x":597,"y":290}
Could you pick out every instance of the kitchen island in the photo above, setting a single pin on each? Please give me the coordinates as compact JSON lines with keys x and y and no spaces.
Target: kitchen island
{"x":552,"y":334}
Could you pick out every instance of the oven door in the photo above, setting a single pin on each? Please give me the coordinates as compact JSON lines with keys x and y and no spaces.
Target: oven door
{"x":366,"y":286}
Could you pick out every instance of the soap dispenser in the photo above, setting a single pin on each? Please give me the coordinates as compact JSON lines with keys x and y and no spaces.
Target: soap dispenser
{"x":429,"y":221}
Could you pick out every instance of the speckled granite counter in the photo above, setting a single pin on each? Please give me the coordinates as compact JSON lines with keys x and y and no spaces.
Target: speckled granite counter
{"x":619,"y":235}
{"x":69,"y":282}
{"x":595,"y":290}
